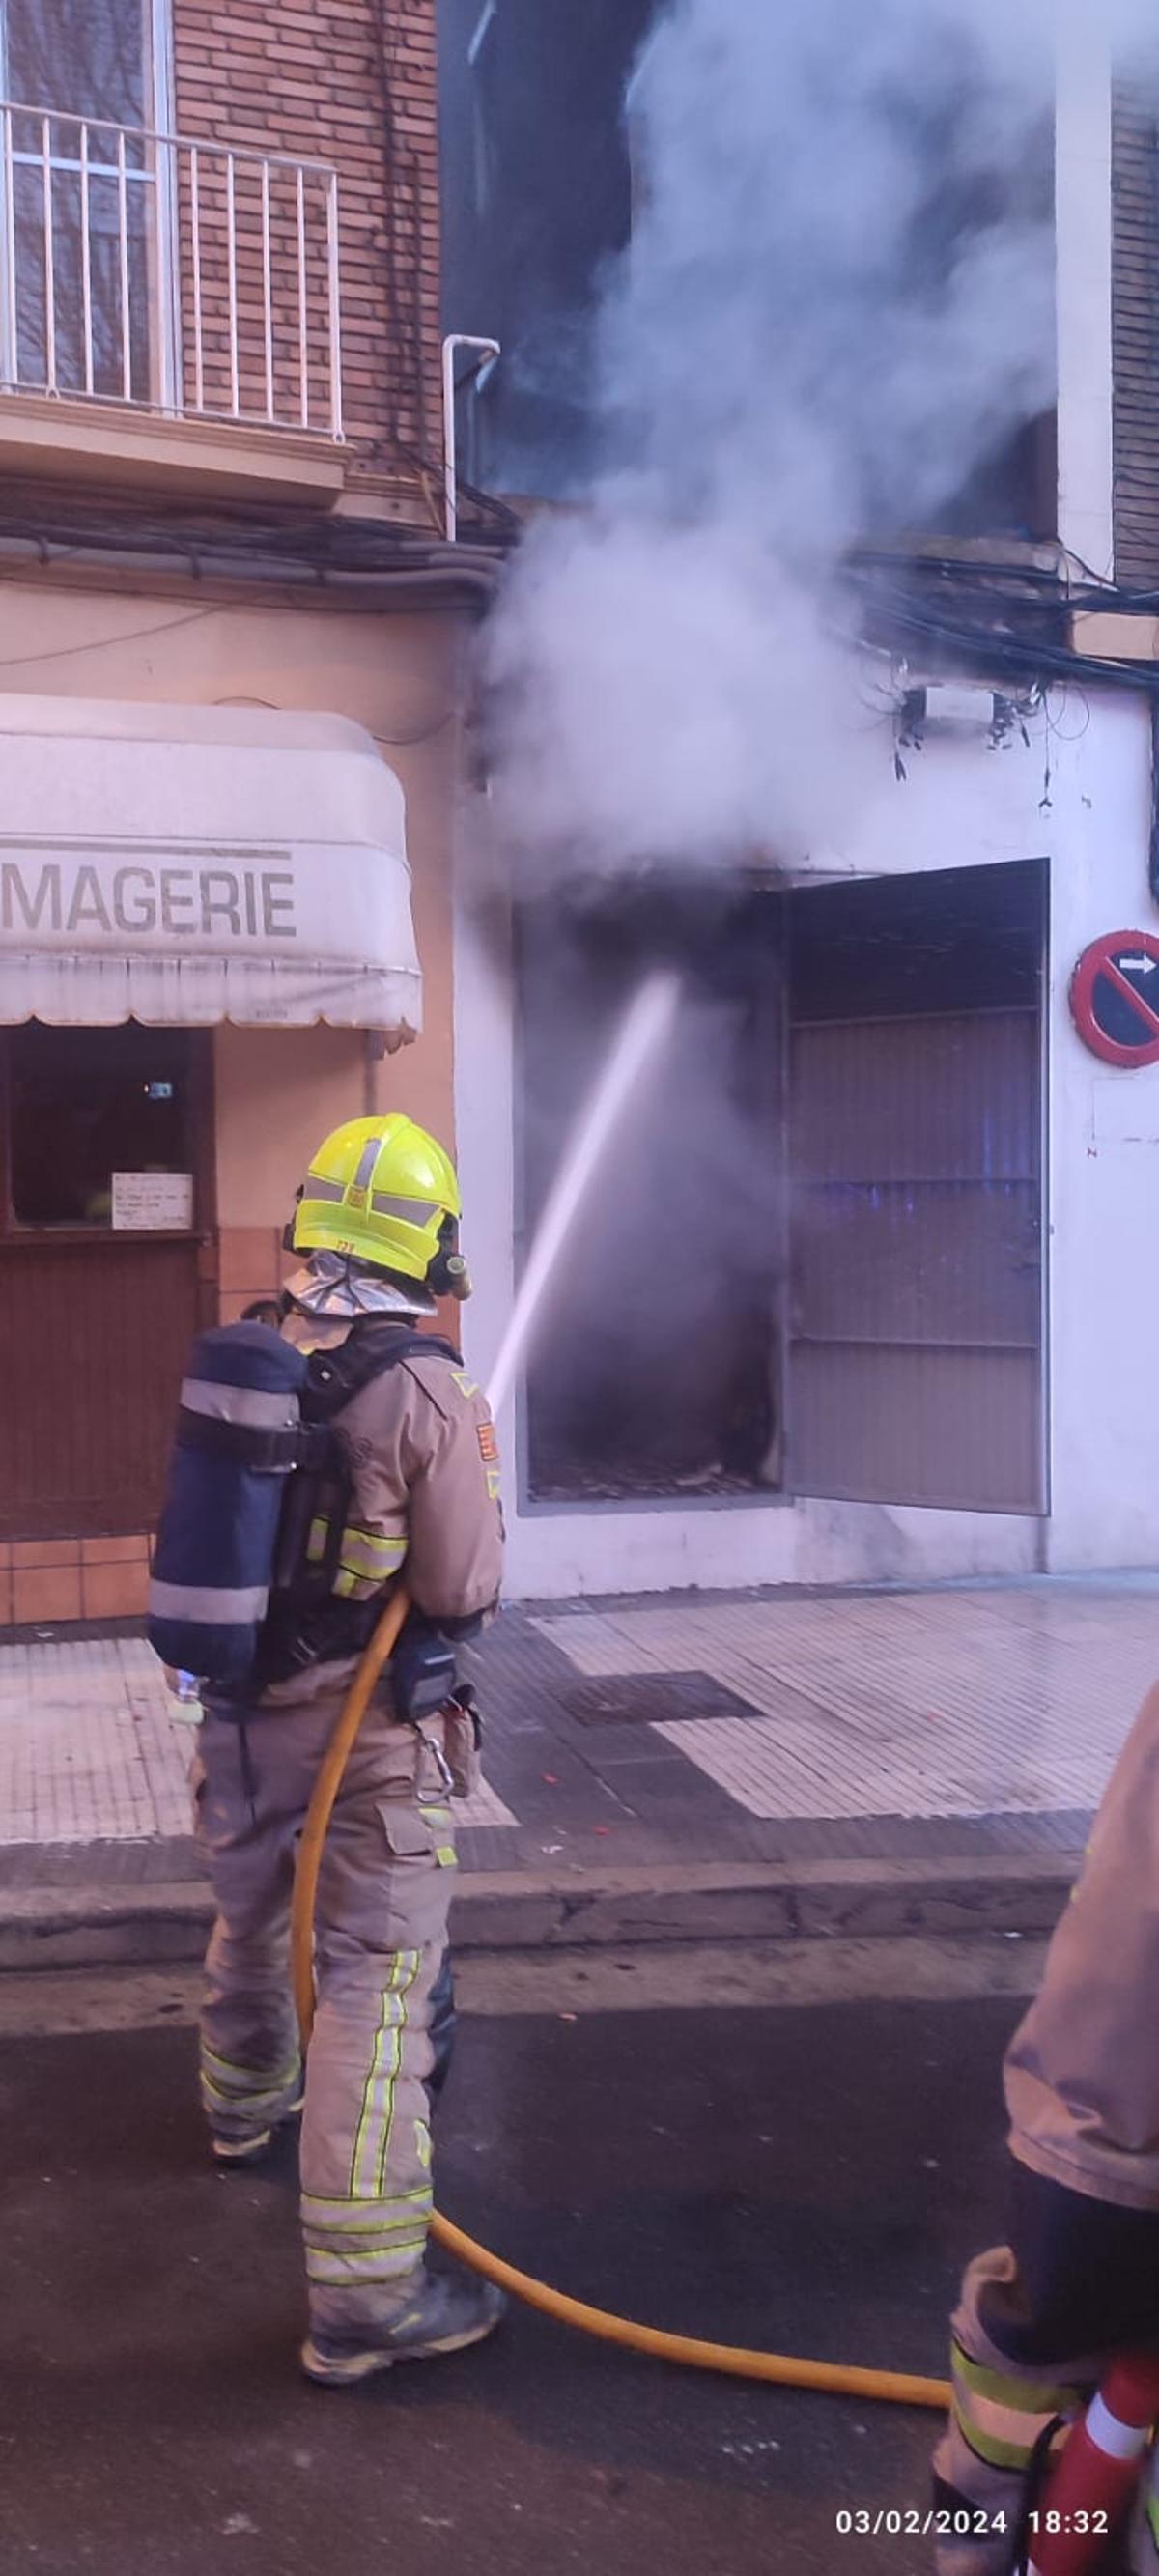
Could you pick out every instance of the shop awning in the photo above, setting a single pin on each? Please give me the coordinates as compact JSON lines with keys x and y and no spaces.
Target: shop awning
{"x":185,"y":865}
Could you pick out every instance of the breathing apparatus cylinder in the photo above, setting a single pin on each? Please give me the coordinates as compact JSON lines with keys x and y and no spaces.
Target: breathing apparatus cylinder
{"x":239,"y":1435}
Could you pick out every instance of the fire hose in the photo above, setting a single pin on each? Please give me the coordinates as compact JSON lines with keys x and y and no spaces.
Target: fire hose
{"x":833,"y":2379}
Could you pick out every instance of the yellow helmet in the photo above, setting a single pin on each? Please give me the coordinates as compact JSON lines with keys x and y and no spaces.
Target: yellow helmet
{"x":381,"y":1190}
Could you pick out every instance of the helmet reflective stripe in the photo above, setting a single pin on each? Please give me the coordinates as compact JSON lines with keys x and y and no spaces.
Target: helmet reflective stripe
{"x":319,"y":1189}
{"x":367,"y":1160}
{"x":215,"y":1605}
{"x":412,"y":1211}
{"x":264,"y":1411}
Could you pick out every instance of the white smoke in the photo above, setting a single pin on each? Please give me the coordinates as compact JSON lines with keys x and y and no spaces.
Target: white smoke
{"x":838,"y":300}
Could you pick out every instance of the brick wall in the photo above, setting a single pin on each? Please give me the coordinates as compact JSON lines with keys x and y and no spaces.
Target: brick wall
{"x":1135,"y":328}
{"x":352,"y":83}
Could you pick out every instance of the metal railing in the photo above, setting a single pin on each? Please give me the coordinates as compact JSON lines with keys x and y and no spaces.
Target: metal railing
{"x":186,"y":277}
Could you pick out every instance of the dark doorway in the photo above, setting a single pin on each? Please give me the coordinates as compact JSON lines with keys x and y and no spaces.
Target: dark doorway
{"x":658,"y":1371}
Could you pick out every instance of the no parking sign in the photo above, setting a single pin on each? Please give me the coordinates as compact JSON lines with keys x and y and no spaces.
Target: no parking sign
{"x":1114,"y":997}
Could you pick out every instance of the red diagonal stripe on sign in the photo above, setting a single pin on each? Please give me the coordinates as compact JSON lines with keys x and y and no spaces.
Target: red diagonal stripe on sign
{"x":1108,"y":968}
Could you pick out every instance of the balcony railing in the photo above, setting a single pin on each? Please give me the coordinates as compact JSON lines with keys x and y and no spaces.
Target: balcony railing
{"x":180,"y":276}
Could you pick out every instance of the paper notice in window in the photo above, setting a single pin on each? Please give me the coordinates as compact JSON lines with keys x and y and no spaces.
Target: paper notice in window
{"x":148,"y":1202}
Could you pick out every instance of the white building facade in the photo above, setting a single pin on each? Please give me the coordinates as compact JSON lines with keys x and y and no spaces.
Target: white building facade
{"x":958,"y":1214}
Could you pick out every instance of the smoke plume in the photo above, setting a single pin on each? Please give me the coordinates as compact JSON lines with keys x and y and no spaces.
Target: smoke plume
{"x":837,"y":303}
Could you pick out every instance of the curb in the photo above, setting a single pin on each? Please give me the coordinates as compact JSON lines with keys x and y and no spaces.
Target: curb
{"x":157,"y":1924}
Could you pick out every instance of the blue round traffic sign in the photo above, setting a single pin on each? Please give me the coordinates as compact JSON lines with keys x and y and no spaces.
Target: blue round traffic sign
{"x":1114,"y":997}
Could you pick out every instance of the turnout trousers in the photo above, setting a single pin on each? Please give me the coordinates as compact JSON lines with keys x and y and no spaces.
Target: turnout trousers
{"x":380,"y":1939}
{"x":1040,"y":2318}
{"x":1037,"y":2323}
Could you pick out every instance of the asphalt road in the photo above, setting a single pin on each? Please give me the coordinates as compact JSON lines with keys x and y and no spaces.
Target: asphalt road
{"x":805,"y":2178}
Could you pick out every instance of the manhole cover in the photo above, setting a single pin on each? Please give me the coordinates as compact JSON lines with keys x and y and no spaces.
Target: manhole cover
{"x":653,"y":1699}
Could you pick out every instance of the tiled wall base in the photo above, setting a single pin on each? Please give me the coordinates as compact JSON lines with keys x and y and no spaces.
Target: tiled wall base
{"x":43,"y":1580}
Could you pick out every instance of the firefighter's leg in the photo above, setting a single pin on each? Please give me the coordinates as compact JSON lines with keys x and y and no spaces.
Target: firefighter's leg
{"x":381,"y":1928}
{"x":444,"y":2022}
{"x":251,"y":2069}
{"x":1000,"y":2411}
{"x":1038,"y":2321}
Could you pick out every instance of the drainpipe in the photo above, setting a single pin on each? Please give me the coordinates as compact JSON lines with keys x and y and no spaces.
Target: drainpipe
{"x":487,"y":353}
{"x":1153,"y":866}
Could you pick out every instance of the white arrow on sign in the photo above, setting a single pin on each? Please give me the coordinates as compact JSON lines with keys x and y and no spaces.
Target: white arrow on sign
{"x":1136,"y":965}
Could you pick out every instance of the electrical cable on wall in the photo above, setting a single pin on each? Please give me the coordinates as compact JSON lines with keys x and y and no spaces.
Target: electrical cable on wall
{"x":107,"y":643}
{"x":1004,"y":617}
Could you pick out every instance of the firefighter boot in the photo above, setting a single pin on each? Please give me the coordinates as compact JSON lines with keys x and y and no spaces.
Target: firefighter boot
{"x":237,"y":2154}
{"x":449,"y":2310}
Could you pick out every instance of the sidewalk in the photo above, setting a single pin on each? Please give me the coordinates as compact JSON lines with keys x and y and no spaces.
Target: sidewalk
{"x":748,"y":1743}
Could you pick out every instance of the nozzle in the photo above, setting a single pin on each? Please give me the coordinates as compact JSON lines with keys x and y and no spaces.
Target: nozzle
{"x":458,"y":1278}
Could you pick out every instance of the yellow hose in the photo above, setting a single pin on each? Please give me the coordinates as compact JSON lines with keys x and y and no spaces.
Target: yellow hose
{"x":321,"y":1808}
{"x":834,"y":2379}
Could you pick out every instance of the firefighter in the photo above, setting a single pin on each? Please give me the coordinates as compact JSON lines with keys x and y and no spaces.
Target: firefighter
{"x":376,"y":1223}
{"x":1078,"y":2282}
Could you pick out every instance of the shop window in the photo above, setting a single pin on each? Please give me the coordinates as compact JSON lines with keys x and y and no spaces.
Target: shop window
{"x":86,"y":1104}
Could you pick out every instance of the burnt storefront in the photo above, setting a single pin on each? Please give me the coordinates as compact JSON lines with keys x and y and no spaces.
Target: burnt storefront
{"x":815,"y":1262}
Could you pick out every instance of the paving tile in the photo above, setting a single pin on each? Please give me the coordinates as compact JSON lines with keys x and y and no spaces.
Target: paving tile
{"x":970,"y":1720}
{"x":648,"y":1699}
{"x":90,"y":1754}
{"x":484,"y":1807}
{"x":909,"y":1705}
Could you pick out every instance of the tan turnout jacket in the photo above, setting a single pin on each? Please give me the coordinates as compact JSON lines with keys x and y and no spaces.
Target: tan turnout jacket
{"x":1082,"y":2071}
{"x":424,"y":1506}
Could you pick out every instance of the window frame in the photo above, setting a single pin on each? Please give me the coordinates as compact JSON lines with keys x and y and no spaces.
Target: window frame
{"x":161,"y":316}
{"x":17,"y":1233}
